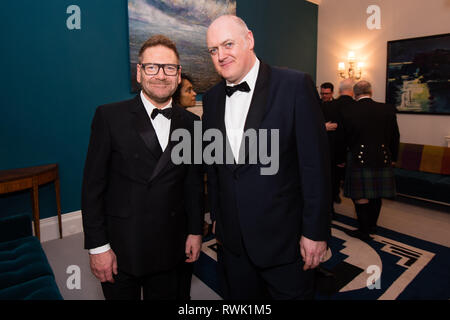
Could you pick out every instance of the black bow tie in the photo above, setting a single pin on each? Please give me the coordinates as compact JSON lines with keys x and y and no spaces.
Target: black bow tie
{"x":165,"y":112}
{"x":243,"y":86}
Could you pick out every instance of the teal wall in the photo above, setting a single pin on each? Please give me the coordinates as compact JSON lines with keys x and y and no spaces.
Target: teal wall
{"x":285,"y":31}
{"x":52,"y":78}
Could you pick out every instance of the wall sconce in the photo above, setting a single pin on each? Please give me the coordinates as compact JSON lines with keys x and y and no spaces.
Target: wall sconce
{"x":354,"y":70}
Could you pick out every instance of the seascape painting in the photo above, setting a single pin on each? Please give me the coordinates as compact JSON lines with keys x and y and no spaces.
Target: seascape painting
{"x":418,"y":74}
{"x":183,"y":21}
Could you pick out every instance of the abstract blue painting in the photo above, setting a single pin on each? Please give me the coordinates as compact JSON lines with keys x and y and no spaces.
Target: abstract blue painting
{"x":183,"y":21}
{"x":418,"y":74}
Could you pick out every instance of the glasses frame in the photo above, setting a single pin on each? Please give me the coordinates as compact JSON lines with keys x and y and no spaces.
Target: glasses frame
{"x":161,"y":65}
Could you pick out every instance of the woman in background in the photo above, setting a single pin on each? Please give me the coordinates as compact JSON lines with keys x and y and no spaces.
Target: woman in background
{"x":185,"y":97}
{"x":185,"y":94}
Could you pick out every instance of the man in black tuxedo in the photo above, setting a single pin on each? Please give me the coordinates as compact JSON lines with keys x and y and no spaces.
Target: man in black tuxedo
{"x":142,"y":214}
{"x":372,"y":139}
{"x":272,"y":227}
{"x":333,"y":124}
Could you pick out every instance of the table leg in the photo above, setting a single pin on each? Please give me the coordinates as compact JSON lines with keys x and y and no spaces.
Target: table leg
{"x":58,"y":206}
{"x":35,"y":204}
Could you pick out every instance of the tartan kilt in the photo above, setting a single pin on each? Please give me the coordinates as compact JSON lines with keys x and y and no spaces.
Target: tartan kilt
{"x":368,"y":183}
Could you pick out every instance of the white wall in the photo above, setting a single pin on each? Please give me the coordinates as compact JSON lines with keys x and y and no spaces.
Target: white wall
{"x":342,"y":28}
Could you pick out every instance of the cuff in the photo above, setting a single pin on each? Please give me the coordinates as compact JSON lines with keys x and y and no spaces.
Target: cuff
{"x":101,"y":249}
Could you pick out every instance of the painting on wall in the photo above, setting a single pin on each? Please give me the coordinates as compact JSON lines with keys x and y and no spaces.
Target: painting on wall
{"x":418,"y":74}
{"x":183,"y":21}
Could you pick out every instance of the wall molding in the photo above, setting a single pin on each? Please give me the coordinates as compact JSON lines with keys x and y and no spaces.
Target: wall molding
{"x":71,"y":224}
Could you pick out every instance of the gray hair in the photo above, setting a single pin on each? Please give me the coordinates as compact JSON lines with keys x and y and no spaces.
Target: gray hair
{"x":362,"y":88}
{"x":346,"y":85}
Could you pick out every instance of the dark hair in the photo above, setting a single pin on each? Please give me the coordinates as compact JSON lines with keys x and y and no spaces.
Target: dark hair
{"x":177,"y":95}
{"x":327,"y":85}
{"x":159,"y":40}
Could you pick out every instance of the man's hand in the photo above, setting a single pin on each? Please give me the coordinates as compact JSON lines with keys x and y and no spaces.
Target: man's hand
{"x":103,"y":265}
{"x":193,"y":247}
{"x":312,"y":252}
{"x":331,"y":126}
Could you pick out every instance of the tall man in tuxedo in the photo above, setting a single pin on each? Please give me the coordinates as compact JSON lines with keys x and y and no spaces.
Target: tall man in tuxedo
{"x":273,"y":228}
{"x":142,"y":215}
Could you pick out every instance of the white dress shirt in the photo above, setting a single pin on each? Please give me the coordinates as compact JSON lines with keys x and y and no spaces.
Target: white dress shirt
{"x":236,"y":110}
{"x":160,"y":123}
{"x":162,"y":129}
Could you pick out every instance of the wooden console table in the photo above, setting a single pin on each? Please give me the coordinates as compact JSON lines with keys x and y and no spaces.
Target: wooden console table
{"x":31,"y":178}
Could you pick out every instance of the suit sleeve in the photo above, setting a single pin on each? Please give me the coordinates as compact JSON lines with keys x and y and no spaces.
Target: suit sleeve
{"x":95,"y":179}
{"x":314,"y":162}
{"x":194,"y":190}
{"x":211,"y":175}
{"x":340,"y":134}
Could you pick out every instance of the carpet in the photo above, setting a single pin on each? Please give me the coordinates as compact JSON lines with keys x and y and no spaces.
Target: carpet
{"x":392,"y":266}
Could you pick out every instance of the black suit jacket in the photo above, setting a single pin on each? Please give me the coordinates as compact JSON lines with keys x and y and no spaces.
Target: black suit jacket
{"x":269,"y":213}
{"x":371,"y":133}
{"x":332,"y":111}
{"x":133,"y":196}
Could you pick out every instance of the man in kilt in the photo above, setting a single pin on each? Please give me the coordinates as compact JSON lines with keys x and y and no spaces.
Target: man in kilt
{"x":372,"y":140}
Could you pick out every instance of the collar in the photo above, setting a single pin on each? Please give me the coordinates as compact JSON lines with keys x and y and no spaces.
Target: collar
{"x":149,"y":106}
{"x":364,"y":97}
{"x":250,"y":77}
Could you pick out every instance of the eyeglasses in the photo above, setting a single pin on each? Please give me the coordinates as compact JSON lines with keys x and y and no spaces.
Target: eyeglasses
{"x":152,"y":69}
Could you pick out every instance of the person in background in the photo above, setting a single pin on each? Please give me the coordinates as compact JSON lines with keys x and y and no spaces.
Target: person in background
{"x":333,"y":117}
{"x":326,"y":91}
{"x":184,"y":97}
{"x":372,"y":140}
{"x":185,"y":94}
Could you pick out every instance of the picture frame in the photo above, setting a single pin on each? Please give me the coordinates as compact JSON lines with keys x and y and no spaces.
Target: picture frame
{"x":418,"y":74}
{"x":183,"y":21}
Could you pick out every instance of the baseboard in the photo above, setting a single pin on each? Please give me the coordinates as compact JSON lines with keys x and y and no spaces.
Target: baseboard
{"x":71,"y":224}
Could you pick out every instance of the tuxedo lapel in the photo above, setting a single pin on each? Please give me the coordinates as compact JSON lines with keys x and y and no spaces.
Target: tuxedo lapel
{"x":258,"y":106}
{"x":145,"y":128}
{"x":165,"y":159}
{"x":220,"y":124}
